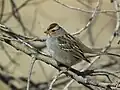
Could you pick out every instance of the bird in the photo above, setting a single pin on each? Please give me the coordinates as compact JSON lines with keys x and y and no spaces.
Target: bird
{"x":64,"y":48}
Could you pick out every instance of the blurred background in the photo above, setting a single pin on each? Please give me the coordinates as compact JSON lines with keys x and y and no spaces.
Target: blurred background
{"x":32,"y":19}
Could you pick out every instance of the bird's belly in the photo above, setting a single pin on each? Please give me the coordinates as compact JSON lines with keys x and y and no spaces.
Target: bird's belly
{"x":65,"y":58}
{"x":59,"y":55}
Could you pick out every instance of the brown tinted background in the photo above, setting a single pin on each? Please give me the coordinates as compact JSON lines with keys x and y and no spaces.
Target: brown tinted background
{"x":36,"y":15}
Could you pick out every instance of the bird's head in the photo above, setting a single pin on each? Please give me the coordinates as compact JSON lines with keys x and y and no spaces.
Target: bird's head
{"x":55,"y":30}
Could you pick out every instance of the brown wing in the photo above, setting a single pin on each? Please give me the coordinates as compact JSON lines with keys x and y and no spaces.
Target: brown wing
{"x":69,"y":44}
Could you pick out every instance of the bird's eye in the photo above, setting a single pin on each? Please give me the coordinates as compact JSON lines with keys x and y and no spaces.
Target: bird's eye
{"x":53,"y":30}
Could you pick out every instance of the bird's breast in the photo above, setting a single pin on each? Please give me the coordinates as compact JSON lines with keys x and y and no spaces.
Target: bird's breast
{"x":58,"y":54}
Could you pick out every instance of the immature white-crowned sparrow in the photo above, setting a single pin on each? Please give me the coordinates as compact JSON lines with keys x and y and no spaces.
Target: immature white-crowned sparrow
{"x":63,"y":47}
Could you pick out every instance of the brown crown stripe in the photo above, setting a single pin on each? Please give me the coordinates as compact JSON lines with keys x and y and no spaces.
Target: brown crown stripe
{"x":52,"y":26}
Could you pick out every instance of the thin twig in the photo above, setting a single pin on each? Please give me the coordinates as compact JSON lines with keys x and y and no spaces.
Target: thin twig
{"x":2,"y":9}
{"x":90,"y":19}
{"x":86,"y":11}
{"x":30,"y":71}
{"x":54,"y":80}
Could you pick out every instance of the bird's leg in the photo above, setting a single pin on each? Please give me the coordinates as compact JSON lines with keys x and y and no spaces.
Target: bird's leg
{"x":63,"y":67}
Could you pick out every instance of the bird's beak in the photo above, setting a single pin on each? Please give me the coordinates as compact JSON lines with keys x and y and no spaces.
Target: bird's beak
{"x":46,"y":32}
